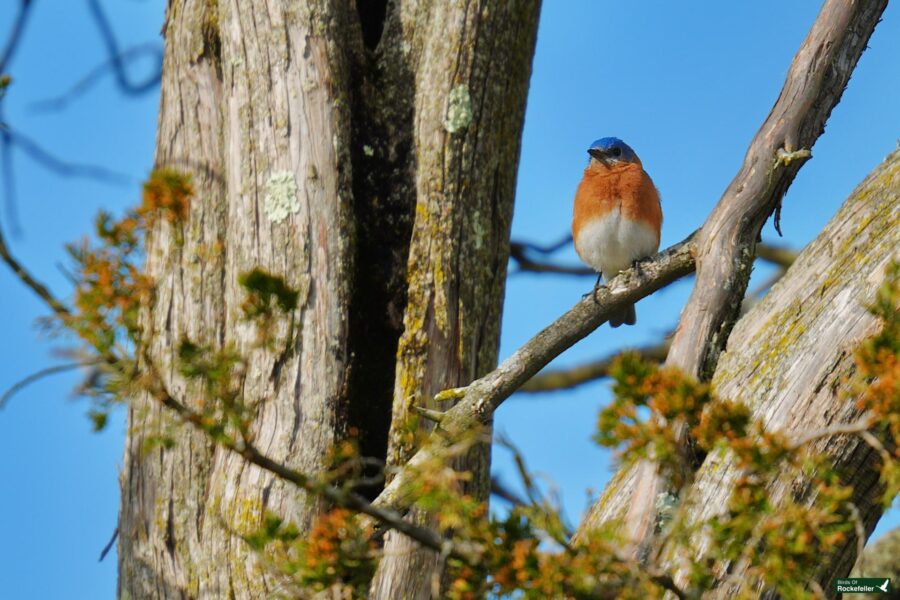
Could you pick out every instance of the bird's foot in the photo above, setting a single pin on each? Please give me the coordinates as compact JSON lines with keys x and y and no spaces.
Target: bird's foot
{"x":593,"y":292}
{"x":638,"y":265}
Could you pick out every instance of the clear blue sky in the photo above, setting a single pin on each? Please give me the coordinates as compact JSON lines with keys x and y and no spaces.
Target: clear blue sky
{"x":686,"y":84}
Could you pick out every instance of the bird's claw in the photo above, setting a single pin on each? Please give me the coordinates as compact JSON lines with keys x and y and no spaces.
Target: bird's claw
{"x":593,"y":292}
{"x":638,"y":265}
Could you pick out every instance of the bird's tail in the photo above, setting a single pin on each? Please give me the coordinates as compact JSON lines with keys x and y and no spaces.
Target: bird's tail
{"x":626,"y":316}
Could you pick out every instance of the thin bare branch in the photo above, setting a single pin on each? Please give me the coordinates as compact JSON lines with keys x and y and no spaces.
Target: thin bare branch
{"x":563,"y":379}
{"x":94,"y":75}
{"x":532,"y":247}
{"x":502,"y":491}
{"x":876,"y":445}
{"x":9,"y":177}
{"x":30,"y":282}
{"x":781,"y":256}
{"x":109,"y":544}
{"x":15,"y":34}
{"x":519,"y":251}
{"x":62,"y":167}
{"x":860,"y":529}
{"x":842,"y":428}
{"x":37,"y":376}
{"x":117,"y":57}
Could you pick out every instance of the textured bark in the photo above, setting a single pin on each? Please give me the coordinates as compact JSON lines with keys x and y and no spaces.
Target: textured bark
{"x":402,"y":228}
{"x":465,"y":184}
{"x":246,"y":92}
{"x":789,"y":359}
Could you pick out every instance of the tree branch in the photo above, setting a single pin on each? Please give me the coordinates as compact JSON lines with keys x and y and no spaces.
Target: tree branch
{"x":564,"y":379}
{"x":726,"y":242}
{"x":482,"y":397}
{"x":117,"y":57}
{"x":519,"y":251}
{"x":25,"y":382}
{"x":61,"y":167}
{"x":15,"y":35}
{"x":842,"y":428}
{"x":781,"y":256}
{"x":114,"y":63}
{"x":60,"y":309}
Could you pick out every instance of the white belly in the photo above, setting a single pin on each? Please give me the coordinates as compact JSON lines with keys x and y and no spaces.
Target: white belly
{"x":610,"y":244}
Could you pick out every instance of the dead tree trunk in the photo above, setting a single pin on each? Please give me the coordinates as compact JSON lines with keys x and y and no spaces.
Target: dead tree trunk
{"x":390,"y":134}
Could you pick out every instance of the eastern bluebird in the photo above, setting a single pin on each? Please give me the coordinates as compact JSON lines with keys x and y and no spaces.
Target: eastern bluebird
{"x":617,"y":214}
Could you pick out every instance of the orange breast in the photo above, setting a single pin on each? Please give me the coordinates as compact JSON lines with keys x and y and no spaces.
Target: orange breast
{"x":625,"y":186}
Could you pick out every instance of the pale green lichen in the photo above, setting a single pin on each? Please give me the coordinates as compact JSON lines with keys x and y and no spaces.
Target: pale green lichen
{"x":281,"y":196}
{"x":459,"y":112}
{"x":368,"y":150}
{"x":666,"y":505}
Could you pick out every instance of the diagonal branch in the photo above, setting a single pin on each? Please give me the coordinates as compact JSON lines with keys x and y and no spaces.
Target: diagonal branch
{"x":37,"y":376}
{"x":61,"y":167}
{"x":483,"y":396}
{"x":94,"y":75}
{"x":15,"y":35}
{"x":568,"y":378}
{"x":564,"y":379}
{"x":118,"y":59}
{"x":727,"y":241}
{"x":30,"y":282}
{"x":521,"y":253}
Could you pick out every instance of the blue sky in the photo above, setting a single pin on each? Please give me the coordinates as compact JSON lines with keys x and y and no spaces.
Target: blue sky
{"x":685,"y":84}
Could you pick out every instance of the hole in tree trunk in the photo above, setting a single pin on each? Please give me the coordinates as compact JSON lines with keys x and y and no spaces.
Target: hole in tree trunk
{"x":371,"y":17}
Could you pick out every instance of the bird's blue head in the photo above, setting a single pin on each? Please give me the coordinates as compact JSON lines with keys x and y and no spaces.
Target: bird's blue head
{"x":611,"y":150}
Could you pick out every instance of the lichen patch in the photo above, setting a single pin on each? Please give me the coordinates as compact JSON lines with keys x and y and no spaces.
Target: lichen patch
{"x":281,"y":196}
{"x":459,"y":112}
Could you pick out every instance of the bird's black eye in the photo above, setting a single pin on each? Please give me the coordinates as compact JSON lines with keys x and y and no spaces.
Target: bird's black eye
{"x":616,"y":152}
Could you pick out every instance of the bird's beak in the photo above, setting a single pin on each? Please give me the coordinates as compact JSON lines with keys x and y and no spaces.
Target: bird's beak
{"x":599,"y":155}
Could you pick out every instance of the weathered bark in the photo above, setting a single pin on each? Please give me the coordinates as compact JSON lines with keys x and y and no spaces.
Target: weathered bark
{"x":400,"y":125}
{"x":789,"y":359}
{"x":247,"y":92}
{"x":476,"y":54}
